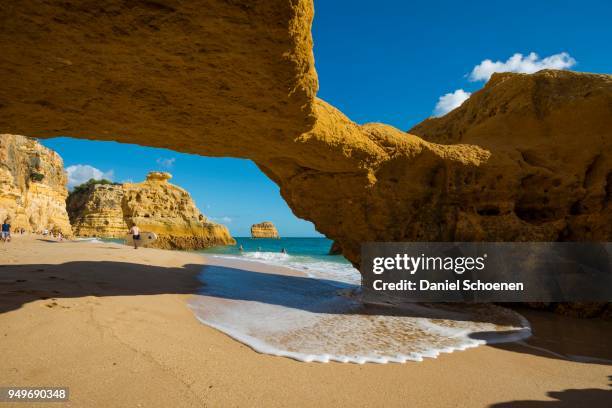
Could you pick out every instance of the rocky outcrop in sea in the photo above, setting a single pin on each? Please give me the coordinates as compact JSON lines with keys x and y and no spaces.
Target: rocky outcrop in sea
{"x":264,"y":230}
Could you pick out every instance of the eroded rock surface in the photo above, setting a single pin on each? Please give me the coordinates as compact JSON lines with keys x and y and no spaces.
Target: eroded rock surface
{"x":32,"y":186}
{"x":154,"y":205}
{"x":550,"y":138}
{"x":264,"y":229}
{"x":204,"y":76}
{"x":526,"y":158}
{"x":98,"y":211}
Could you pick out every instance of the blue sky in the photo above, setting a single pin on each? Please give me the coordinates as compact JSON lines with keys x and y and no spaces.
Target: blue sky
{"x":380,"y":61}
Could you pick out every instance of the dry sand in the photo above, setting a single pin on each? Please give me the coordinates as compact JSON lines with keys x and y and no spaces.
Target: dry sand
{"x":112,"y":324}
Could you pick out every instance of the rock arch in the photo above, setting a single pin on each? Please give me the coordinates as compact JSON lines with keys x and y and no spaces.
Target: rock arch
{"x":526,"y":158}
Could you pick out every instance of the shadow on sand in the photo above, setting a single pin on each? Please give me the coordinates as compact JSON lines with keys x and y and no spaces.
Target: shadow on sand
{"x":21,"y":284}
{"x":588,"y":398}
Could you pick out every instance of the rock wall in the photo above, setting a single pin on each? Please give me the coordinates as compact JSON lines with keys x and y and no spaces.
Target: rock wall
{"x":32,"y":186}
{"x":206,"y":76}
{"x":550,"y":137}
{"x":526,"y":158}
{"x":264,"y":230}
{"x":154,"y":205}
{"x":98,"y":212}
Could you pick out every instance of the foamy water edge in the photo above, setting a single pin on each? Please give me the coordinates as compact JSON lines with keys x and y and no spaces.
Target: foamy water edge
{"x":241,"y":319}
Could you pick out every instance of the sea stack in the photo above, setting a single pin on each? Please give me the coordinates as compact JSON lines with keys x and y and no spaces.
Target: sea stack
{"x":32,"y":186}
{"x":155,"y":205}
{"x":264,"y":230}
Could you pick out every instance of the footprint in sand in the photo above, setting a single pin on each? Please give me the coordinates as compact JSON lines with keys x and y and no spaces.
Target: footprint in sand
{"x":53,"y":304}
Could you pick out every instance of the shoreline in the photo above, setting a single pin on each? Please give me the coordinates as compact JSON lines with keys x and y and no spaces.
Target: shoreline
{"x":112,"y":323}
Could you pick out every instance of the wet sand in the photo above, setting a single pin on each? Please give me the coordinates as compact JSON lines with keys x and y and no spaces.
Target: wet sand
{"x":112,"y":323}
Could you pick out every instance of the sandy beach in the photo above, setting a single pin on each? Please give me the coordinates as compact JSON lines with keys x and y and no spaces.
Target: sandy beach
{"x":112,"y":323}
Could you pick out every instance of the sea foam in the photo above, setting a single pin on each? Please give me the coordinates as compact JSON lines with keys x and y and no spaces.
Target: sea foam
{"x":311,"y":266}
{"x":90,"y":240}
{"x":311,"y":318}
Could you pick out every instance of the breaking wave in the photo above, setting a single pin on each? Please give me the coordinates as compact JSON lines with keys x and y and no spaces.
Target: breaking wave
{"x":315,"y":314}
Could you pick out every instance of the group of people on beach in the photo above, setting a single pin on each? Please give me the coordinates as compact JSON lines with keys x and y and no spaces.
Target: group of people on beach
{"x":6,"y":233}
{"x":134,"y":231}
{"x":6,"y":236}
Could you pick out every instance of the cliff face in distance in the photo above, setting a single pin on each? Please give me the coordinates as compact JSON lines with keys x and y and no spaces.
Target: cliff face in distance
{"x":98,"y":211}
{"x":108,"y":210}
{"x":264,"y":230}
{"x":32,"y":186}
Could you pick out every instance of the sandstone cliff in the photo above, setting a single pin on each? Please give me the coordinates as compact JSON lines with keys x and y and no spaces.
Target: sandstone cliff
{"x":154,"y":205}
{"x":526,"y":158}
{"x":549,"y":177}
{"x":98,"y":211}
{"x":264,"y":230}
{"x":529,"y":158}
{"x":32,"y":186}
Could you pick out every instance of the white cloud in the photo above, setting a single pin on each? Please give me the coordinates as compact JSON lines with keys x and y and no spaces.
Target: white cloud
{"x":167,"y":163}
{"x":450,"y":101}
{"x":519,"y":63}
{"x":223,"y":220}
{"x":80,"y":173}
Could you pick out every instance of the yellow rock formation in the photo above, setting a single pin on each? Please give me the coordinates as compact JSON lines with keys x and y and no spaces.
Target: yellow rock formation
{"x":264,"y":230}
{"x":98,"y":212}
{"x":106,"y":210}
{"x":549,"y":177}
{"x":526,"y":158}
{"x":32,"y":186}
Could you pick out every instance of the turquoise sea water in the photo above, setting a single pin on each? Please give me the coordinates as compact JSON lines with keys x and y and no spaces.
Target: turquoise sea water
{"x":314,"y":247}
{"x":309,"y":255}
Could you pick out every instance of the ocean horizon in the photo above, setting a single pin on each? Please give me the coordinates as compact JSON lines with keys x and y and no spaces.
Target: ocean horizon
{"x":309,"y":255}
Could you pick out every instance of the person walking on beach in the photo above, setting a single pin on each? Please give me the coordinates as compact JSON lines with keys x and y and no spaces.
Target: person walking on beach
{"x":6,"y":231}
{"x":135,"y":231}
